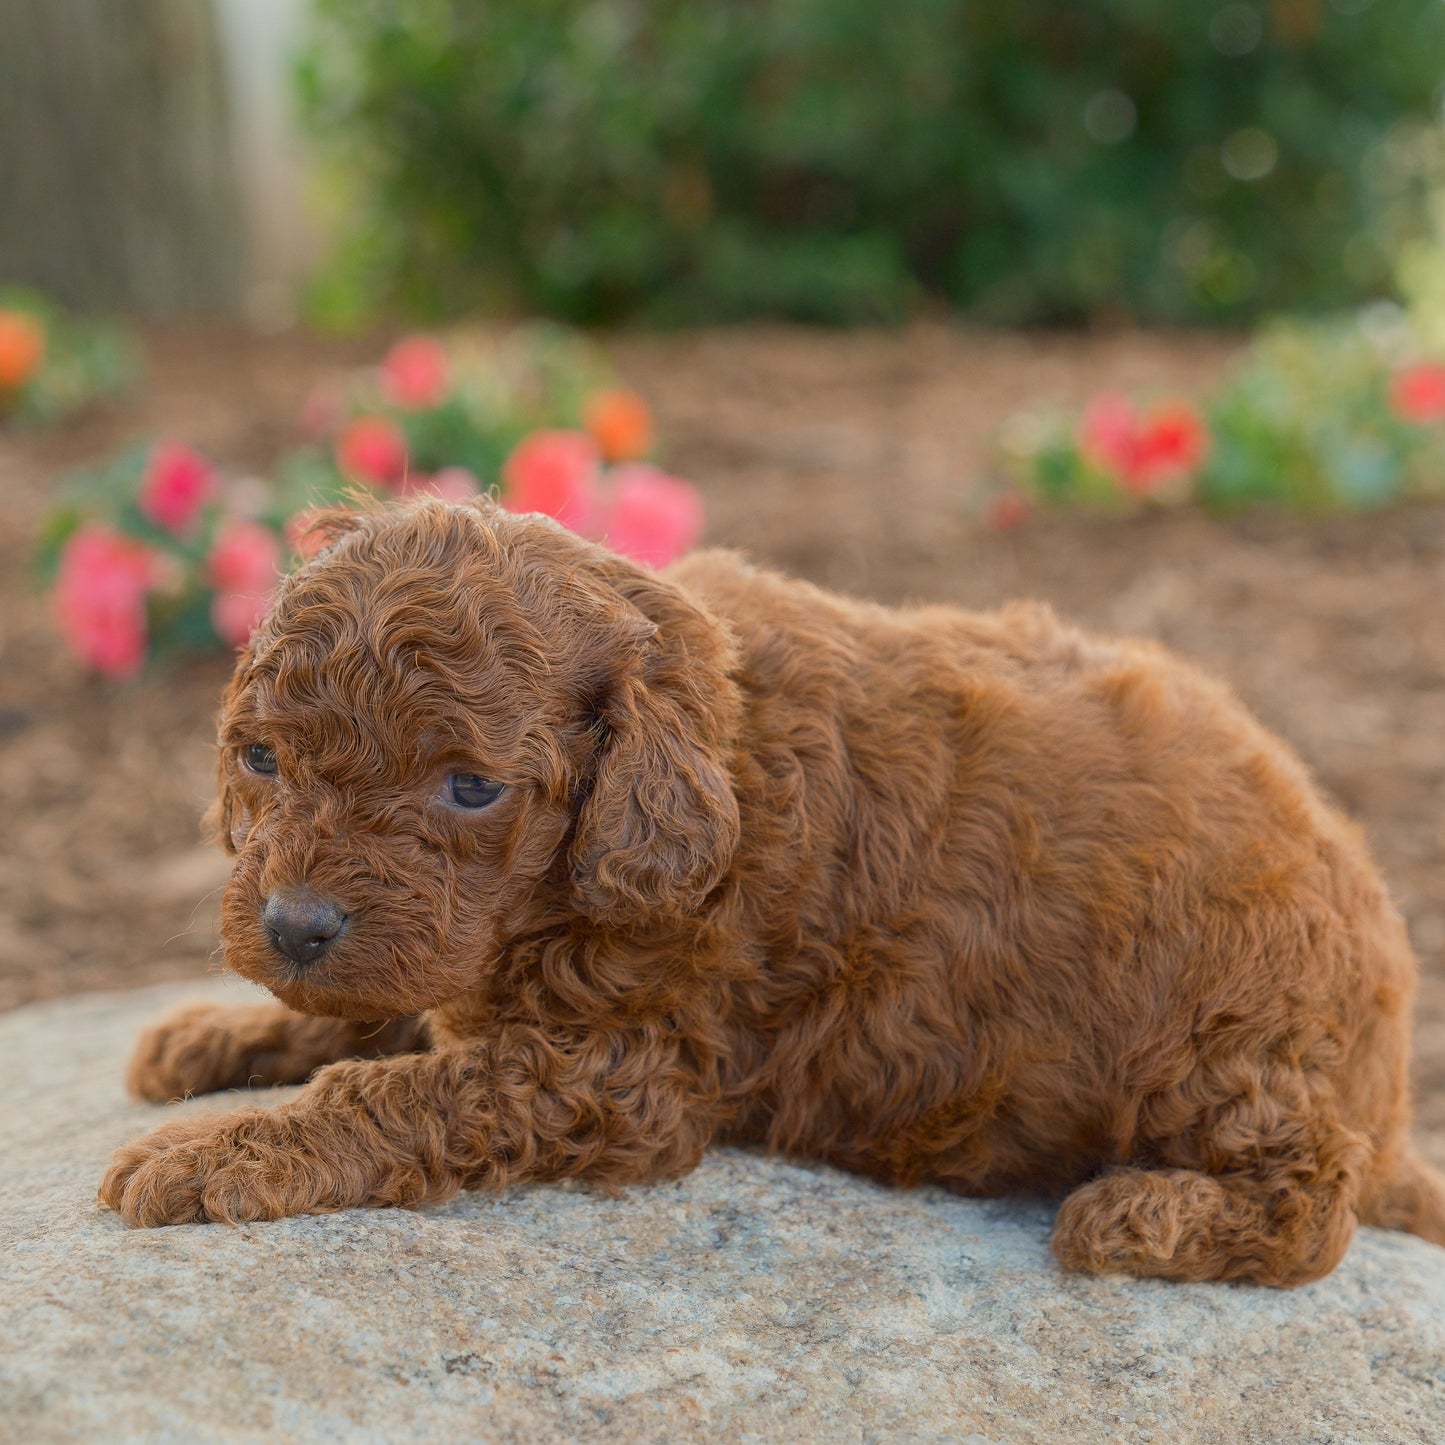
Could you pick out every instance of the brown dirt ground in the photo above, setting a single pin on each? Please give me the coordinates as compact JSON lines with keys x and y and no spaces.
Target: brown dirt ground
{"x":846,"y":458}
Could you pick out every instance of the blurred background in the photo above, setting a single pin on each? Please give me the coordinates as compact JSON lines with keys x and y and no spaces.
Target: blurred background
{"x":1132,"y":306}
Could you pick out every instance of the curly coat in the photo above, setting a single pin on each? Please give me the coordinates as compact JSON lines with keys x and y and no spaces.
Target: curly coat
{"x":970,"y":898}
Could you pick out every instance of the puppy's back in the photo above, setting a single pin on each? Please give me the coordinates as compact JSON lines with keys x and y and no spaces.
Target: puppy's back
{"x":1076,"y":869}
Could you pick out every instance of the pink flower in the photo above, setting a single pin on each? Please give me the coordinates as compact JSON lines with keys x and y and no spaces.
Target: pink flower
{"x":451,"y":484}
{"x":555,"y":472}
{"x":302,"y":536}
{"x":235,"y":616}
{"x":372,"y":449}
{"x":651,"y":517}
{"x":245,"y":557}
{"x":416,"y":373}
{"x":1142,"y":453}
{"x":99,"y":599}
{"x":322,"y":411}
{"x":1417,"y":393}
{"x":176,"y":486}
{"x":244,"y":565}
{"x":1107,"y":433}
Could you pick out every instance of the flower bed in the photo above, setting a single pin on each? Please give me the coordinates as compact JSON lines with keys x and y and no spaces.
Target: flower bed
{"x":52,"y":364}
{"x":1315,"y":417}
{"x":159,"y":550}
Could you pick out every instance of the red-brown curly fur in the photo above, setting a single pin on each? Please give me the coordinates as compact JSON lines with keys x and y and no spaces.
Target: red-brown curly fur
{"x":932,"y":895}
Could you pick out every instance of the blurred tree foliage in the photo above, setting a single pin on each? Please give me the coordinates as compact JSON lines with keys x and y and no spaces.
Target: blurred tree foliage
{"x":1031,"y":160}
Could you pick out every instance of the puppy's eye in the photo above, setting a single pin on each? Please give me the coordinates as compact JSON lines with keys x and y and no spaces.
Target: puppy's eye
{"x":260,"y":759}
{"x":468,"y":790}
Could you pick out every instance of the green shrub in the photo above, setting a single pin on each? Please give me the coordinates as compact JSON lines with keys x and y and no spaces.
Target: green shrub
{"x":831,"y":159}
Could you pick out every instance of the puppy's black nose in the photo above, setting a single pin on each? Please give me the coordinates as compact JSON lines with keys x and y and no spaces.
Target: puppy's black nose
{"x":301,"y":924}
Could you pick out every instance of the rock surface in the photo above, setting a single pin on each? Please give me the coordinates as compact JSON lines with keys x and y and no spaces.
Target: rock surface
{"x":753,"y":1301}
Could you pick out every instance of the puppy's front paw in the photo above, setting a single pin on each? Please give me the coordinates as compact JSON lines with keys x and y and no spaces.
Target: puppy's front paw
{"x":230,"y":1170}
{"x":193,"y":1050}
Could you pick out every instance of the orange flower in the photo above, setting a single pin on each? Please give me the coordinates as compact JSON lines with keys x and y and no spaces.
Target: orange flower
{"x":620,"y":424}
{"x":22,"y":349}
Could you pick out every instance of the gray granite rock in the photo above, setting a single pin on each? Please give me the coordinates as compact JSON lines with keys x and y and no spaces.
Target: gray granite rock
{"x":754,"y":1301}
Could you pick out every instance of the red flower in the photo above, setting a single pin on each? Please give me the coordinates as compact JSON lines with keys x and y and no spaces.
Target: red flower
{"x":416,"y":373}
{"x":1008,"y":510}
{"x":177,"y":485}
{"x":100,"y":598}
{"x":1174,"y":443}
{"x":22,"y":349}
{"x":372,"y":449}
{"x":651,"y":517}
{"x":557,"y":473}
{"x":1417,"y":393}
{"x":620,"y":423}
{"x":1142,"y":453}
{"x":451,"y":484}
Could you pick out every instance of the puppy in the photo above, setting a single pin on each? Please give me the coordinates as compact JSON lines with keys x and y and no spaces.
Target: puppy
{"x":595,"y":866}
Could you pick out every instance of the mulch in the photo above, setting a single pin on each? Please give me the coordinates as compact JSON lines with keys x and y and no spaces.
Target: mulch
{"x":849,"y":458}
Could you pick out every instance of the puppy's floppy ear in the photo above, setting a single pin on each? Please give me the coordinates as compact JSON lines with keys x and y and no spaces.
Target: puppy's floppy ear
{"x":660,"y":826}
{"x":219,"y":822}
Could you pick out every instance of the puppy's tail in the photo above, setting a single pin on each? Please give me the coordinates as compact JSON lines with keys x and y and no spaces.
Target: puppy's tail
{"x":1410,"y":1197}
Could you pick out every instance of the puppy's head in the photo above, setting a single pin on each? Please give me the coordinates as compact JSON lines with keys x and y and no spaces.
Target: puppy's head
{"x":457,"y":727}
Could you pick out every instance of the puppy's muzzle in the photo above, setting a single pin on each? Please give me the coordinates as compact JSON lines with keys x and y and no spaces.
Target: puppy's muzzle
{"x":302,"y":925}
